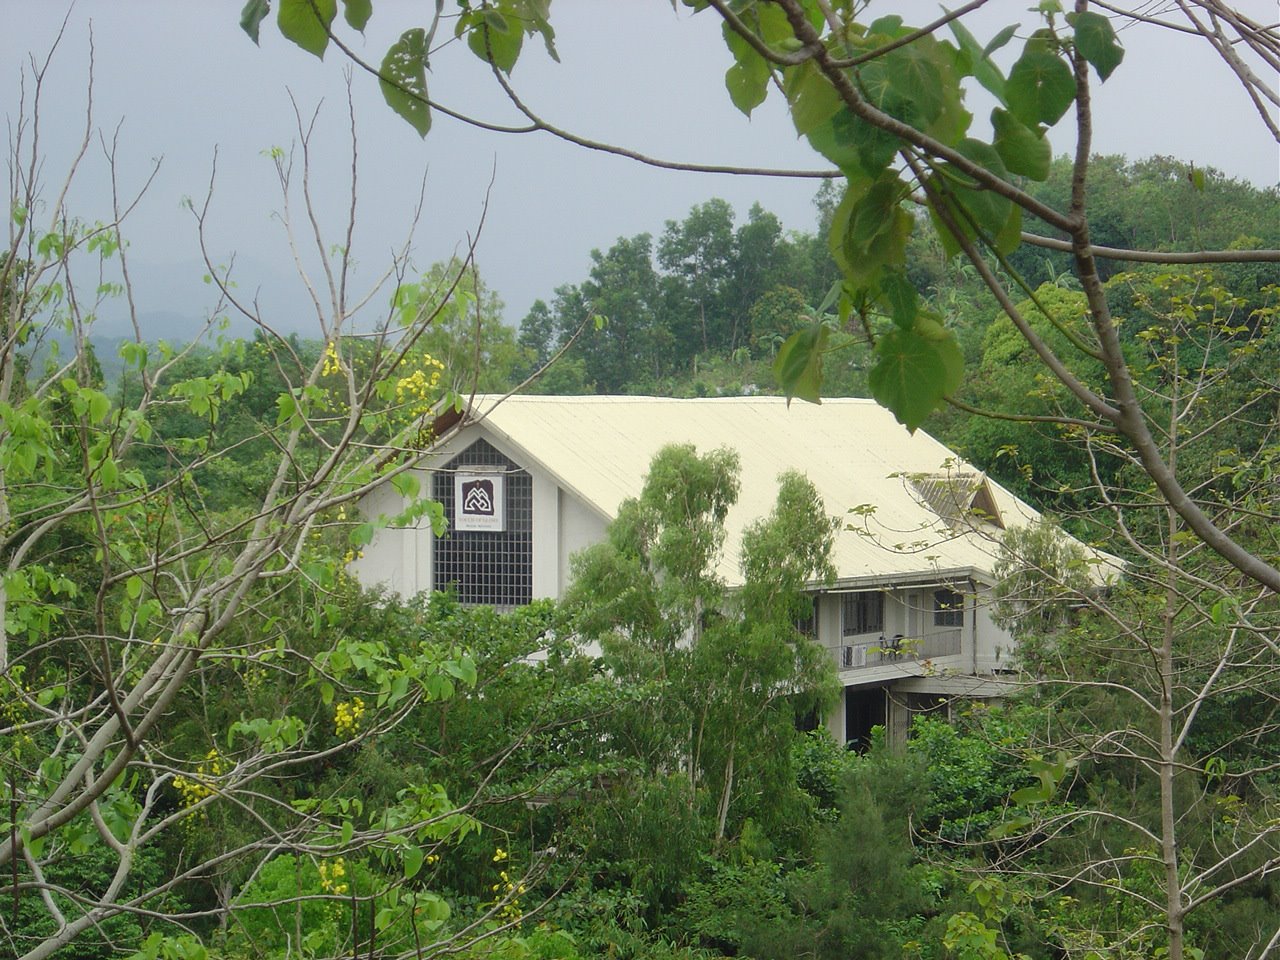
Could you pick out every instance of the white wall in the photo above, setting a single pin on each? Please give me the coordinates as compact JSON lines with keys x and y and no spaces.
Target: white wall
{"x":580,"y":527}
{"x":546,"y":526}
{"x":995,"y":646}
{"x":393,"y":559}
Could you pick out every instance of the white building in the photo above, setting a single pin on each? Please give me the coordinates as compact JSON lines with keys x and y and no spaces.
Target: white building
{"x":529,"y":481}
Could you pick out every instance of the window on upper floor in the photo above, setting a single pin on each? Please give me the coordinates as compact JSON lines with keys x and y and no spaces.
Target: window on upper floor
{"x":862,"y":613}
{"x":948,"y":608}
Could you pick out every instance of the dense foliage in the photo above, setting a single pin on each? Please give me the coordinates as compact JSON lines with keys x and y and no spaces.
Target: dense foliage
{"x":213,"y":743}
{"x":659,"y":801}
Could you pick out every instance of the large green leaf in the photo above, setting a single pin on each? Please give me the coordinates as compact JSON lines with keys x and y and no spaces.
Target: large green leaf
{"x":988,"y":208}
{"x":869,"y":228}
{"x":747,"y":84}
{"x":876,"y":81}
{"x":918,"y":84}
{"x":1024,"y":150}
{"x":888,"y":248}
{"x":1009,"y":238}
{"x":813,"y":100}
{"x":413,"y":858}
{"x":1000,"y":39}
{"x":798,"y":366}
{"x":888,"y":27}
{"x":357,"y":13}
{"x":1041,"y":86}
{"x":496,"y":40}
{"x":1096,"y":41}
{"x":912,"y":374}
{"x":952,"y":124}
{"x":930,"y":327}
{"x":874,"y":148}
{"x":828,"y":139}
{"x":984,"y":70}
{"x":1029,"y":796}
{"x":915,"y":73}
{"x":950,"y":245}
{"x":748,"y":79}
{"x":770,"y":22}
{"x":251,"y":17}
{"x":975,"y":210}
{"x":307,"y":22}
{"x":899,"y":294}
{"x":403,"y":79}
{"x":872,"y":212}
{"x":532,"y":17}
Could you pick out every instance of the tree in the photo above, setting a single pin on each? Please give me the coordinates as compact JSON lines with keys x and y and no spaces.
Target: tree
{"x":774,"y":317}
{"x":763,"y":257}
{"x":628,"y":346}
{"x":859,"y":94}
{"x":1155,"y":815}
{"x":725,"y":675}
{"x":1154,"y":204}
{"x":176,"y":674}
{"x":538,"y":334}
{"x":698,"y":255}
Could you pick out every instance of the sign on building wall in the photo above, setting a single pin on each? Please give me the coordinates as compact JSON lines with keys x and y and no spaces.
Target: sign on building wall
{"x":478,"y":501}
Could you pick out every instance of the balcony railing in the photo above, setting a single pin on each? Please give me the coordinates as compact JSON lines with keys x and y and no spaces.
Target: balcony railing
{"x":885,"y":650}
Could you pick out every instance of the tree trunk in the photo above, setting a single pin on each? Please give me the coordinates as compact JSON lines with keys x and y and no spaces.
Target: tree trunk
{"x":1168,"y":819}
{"x":1168,"y":752}
{"x":722,"y":815}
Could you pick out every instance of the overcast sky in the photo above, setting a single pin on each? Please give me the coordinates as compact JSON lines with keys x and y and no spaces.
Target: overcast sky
{"x":181,"y":80}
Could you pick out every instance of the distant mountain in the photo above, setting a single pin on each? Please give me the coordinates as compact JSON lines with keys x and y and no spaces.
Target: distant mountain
{"x":174,"y":301}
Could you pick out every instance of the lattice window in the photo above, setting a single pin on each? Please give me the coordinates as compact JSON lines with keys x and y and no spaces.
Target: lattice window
{"x":861,"y":613}
{"x":492,"y":567}
{"x":948,"y":608}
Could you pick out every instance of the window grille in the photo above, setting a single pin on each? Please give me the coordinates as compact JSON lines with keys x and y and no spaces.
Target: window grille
{"x":861,"y":613}
{"x":490,"y":567}
{"x":948,"y":608}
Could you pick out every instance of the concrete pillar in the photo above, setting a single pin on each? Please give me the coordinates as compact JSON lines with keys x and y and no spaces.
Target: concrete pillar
{"x":835,"y":719}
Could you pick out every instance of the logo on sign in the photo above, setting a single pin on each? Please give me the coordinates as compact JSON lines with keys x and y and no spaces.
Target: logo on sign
{"x":477,"y":497}
{"x":478,"y":502}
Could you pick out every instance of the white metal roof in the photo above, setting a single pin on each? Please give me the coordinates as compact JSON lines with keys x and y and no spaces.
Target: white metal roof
{"x":853,"y":451}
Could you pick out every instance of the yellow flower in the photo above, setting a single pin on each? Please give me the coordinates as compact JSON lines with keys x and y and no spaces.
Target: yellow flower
{"x":194,"y":789}
{"x":346,"y":717}
{"x":416,"y":390}
{"x":330,"y":874}
{"x":332,"y":362}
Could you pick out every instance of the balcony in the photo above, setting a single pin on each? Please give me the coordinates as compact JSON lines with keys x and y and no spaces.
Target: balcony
{"x":883,"y":650}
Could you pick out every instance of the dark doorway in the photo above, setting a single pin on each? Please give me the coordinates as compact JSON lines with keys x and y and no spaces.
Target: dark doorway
{"x":863,"y":709}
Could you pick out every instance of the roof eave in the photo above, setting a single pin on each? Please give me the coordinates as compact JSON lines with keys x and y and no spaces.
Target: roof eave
{"x":936,"y":577}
